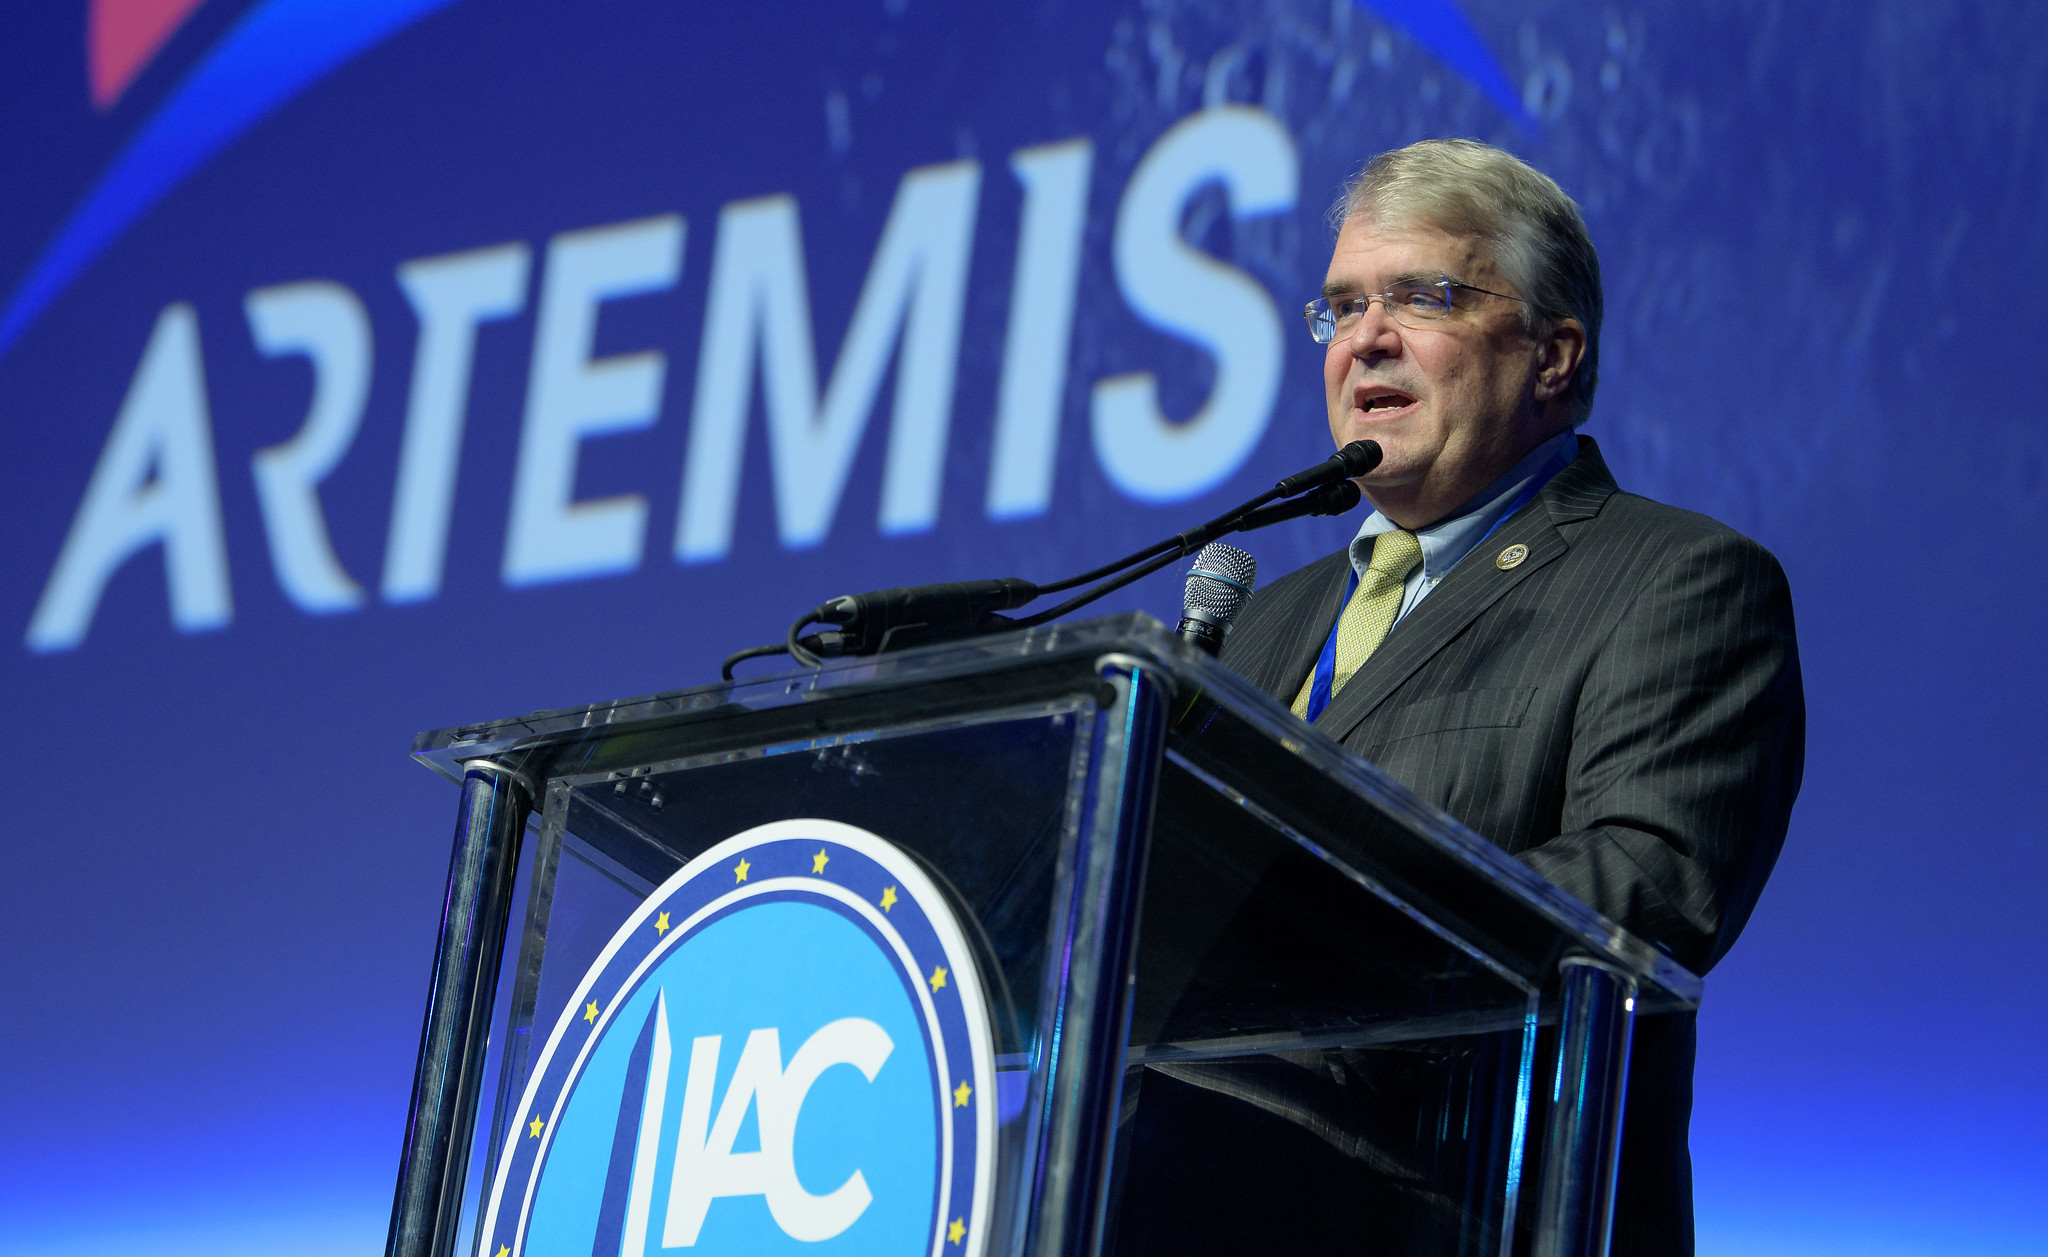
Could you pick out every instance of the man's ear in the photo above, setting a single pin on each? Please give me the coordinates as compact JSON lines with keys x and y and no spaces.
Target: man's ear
{"x":1558,"y":352}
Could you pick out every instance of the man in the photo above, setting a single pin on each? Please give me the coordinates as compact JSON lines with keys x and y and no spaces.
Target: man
{"x":1606,"y":687}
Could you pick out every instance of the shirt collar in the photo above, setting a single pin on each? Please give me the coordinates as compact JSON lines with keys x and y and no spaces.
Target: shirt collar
{"x":1453,"y":537}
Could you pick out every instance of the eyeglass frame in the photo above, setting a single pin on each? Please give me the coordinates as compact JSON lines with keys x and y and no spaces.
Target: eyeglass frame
{"x":1445,"y":282}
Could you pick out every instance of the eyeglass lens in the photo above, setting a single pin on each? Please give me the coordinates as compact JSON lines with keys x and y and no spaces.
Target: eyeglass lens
{"x":1408,"y":304}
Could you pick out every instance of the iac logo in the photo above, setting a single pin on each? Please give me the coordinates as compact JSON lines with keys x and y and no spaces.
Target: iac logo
{"x":785,"y":1048}
{"x":706,"y":1167}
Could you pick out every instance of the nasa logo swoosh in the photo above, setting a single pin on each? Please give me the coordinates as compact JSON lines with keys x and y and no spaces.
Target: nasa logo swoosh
{"x":274,"y":51}
{"x":785,"y":1048}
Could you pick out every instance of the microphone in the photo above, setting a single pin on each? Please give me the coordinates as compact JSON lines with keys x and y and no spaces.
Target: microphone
{"x":920,"y":615}
{"x":1355,"y":459}
{"x":1331,"y":499}
{"x":1217,"y":586}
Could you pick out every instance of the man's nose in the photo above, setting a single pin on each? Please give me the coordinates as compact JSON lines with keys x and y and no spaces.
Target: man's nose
{"x":1376,"y":334}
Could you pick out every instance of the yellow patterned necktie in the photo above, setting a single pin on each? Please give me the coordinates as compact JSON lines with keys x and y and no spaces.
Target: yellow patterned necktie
{"x":1371,"y":612}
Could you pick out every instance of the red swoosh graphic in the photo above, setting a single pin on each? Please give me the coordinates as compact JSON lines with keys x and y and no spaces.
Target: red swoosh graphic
{"x":122,"y":36}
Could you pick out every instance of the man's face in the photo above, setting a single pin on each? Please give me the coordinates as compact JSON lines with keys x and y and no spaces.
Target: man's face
{"x":1453,"y":404}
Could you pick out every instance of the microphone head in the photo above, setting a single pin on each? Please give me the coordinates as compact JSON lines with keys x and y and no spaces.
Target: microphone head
{"x":1360,"y":457}
{"x":1334,"y":499}
{"x":1218,"y":584}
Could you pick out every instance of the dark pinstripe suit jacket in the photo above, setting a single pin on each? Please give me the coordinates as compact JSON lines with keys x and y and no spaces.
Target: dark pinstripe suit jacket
{"x":1622,"y":711}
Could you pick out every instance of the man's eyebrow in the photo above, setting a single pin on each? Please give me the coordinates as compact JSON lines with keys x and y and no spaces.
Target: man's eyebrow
{"x":1345,"y":288}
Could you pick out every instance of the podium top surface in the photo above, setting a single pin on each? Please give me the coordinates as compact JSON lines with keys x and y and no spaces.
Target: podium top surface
{"x":1250,"y":749}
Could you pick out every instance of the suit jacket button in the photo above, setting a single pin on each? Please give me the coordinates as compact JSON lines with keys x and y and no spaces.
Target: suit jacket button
{"x":1511,"y":557}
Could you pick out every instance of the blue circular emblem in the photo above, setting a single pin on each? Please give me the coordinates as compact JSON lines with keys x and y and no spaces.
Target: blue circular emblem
{"x":785,"y":1048}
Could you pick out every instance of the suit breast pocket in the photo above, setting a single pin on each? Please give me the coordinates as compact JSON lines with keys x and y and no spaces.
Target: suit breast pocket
{"x":1447,"y":713}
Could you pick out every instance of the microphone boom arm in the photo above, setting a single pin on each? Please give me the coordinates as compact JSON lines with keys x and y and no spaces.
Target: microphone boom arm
{"x":1355,"y":459}
{"x":871,"y":623}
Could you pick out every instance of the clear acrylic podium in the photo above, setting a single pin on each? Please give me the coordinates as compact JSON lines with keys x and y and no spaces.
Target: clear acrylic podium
{"x":1245,"y":992}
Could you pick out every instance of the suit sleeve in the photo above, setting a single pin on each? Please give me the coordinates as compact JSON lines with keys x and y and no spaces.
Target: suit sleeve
{"x":1688,"y":743}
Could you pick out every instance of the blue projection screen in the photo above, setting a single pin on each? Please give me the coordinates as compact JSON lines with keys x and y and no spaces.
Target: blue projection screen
{"x":379,"y":366}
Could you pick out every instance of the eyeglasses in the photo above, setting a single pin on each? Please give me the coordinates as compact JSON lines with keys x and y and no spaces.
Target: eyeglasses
{"x":1414,"y":304}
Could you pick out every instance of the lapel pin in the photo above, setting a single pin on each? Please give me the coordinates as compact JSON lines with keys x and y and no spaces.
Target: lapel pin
{"x":1511,"y":557}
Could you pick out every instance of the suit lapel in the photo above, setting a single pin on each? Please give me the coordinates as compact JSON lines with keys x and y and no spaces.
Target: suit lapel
{"x":1475,"y":584}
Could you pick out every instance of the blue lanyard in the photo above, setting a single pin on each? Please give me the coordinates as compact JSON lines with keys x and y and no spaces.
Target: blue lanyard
{"x":1325,"y":675}
{"x":1326,"y":663}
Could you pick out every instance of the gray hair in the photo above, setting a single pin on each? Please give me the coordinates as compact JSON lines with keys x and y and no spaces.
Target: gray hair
{"x":1530,"y":229}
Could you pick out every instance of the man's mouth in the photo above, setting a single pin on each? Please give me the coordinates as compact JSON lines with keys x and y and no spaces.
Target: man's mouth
{"x":1379,"y":405}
